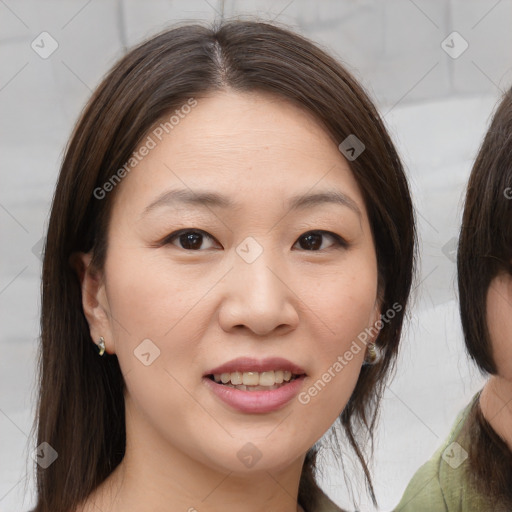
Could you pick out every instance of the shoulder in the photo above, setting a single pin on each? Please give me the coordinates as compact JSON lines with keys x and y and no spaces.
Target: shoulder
{"x":424,"y":492}
{"x":440,"y":485}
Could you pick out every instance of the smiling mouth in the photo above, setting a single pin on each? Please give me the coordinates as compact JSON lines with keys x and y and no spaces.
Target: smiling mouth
{"x":255,"y":381}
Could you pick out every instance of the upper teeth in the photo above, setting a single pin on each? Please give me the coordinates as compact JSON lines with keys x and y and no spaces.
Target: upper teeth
{"x":254,"y":378}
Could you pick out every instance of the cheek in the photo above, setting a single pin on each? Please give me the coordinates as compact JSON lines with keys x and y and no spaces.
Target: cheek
{"x":346,"y":306}
{"x":499,"y":320}
{"x":156,"y":317}
{"x":345,"y":302}
{"x":150,"y":296}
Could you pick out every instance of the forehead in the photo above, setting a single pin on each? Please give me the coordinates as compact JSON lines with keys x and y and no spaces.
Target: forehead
{"x":249,"y":146}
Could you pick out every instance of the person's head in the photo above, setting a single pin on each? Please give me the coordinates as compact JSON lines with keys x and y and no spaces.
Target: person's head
{"x":204,"y":212}
{"x":484,"y":259}
{"x":484,"y":265}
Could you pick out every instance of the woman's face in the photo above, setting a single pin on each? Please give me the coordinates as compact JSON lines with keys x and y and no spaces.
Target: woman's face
{"x":499,"y":321}
{"x":239,"y":246}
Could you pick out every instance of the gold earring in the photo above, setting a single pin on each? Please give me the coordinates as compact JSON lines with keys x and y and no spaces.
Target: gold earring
{"x":372,"y":354}
{"x":101,"y":346}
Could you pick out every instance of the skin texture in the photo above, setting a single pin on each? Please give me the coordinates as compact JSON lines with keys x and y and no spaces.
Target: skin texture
{"x":203,"y":307}
{"x":496,"y":397}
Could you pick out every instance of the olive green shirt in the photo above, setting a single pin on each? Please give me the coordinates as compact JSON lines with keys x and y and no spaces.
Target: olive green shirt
{"x":440,"y":485}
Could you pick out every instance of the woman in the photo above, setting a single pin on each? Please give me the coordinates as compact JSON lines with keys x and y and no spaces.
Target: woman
{"x":233,"y":229}
{"x":472,"y":470}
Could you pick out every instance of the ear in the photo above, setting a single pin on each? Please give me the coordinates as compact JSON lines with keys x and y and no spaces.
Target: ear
{"x":94,"y":299}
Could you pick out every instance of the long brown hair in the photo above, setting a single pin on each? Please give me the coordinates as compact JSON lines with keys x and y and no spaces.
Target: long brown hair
{"x":81,"y":405}
{"x":485,"y":250}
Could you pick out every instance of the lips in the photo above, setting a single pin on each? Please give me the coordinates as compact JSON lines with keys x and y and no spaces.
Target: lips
{"x":255,"y":386}
{"x":247,"y":364}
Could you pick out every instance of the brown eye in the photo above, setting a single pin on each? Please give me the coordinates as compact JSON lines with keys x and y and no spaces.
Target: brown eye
{"x":190,"y":240}
{"x":314,"y":240}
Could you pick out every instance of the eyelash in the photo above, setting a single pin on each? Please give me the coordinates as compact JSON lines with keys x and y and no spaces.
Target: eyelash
{"x":338,"y":240}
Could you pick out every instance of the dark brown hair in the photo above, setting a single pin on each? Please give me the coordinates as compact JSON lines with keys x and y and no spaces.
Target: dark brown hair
{"x":81,"y":405}
{"x":490,"y":462}
{"x":485,"y":250}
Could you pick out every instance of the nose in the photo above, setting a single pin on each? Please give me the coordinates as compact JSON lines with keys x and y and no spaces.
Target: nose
{"x":259,"y":297}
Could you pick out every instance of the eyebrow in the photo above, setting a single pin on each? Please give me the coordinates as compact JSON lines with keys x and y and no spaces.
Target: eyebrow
{"x":207,"y":198}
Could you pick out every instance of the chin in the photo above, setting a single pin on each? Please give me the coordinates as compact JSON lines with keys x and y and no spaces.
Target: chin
{"x":246,"y":457}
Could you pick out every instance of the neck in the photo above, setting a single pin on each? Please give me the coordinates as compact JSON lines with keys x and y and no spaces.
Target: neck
{"x":496,"y":406}
{"x":154,"y":476}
